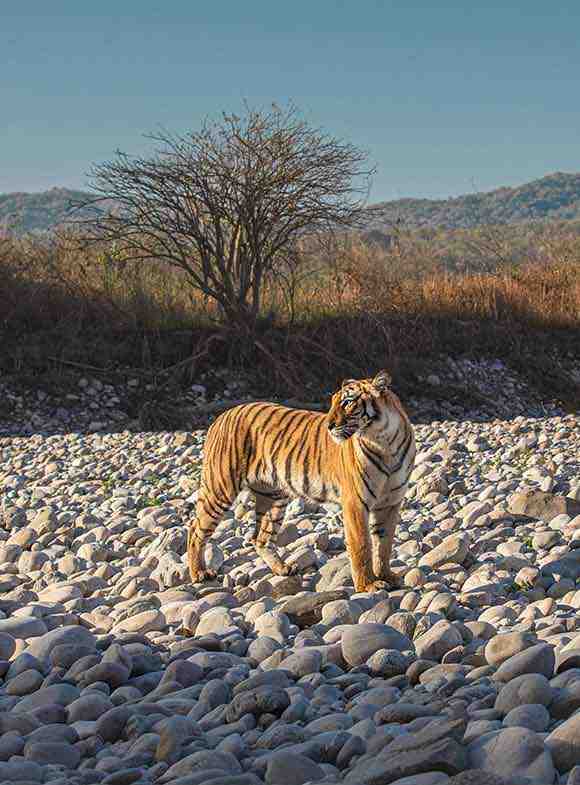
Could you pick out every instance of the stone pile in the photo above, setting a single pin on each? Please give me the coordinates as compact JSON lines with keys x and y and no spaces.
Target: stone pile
{"x":114,"y":669}
{"x":449,"y":389}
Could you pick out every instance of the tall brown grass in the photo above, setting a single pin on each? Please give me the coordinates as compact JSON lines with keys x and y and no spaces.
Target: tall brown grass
{"x":47,"y":280}
{"x":341,"y":311}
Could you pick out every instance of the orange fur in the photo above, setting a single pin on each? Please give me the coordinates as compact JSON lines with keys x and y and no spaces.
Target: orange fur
{"x":360,"y":454}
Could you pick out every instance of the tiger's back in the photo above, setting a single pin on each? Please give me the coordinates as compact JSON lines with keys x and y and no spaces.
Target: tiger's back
{"x":268,"y":446}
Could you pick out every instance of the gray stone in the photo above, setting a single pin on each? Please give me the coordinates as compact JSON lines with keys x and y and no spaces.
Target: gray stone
{"x":436,"y":642}
{"x":378,"y":696}
{"x":173,"y":732}
{"x":444,"y":755}
{"x":65,"y":655}
{"x":23,"y":627}
{"x":542,"y":506}
{"x":26,"y":682}
{"x":88,"y":707}
{"x":61,"y":694}
{"x":215,"y":777}
{"x":478,"y":728}
{"x":7,"y":646}
{"x":335,"y":573}
{"x":54,"y":753}
{"x":14,"y":721}
{"x":42,"y":647}
{"x":429,"y":778}
{"x":535,"y":659}
{"x":262,"y":648}
{"x":403,"y":621}
{"x":529,"y":688}
{"x":112,"y":673}
{"x":453,"y":549}
{"x":360,"y":641}
{"x":202,"y":759}
{"x":20,"y":771}
{"x":263,"y":700}
{"x":403,"y":713}
{"x":517,"y":754}
{"x":286,"y":768}
{"x":564,"y":744}
{"x":330,"y":722}
{"x":340,"y":612}
{"x":506,"y":645}
{"x":279,"y":735}
{"x":54,"y":732}
{"x":146,"y":621}
{"x":387,"y":663}
{"x":261,"y":679}
{"x":478,"y":777}
{"x":379,"y":613}
{"x":111,"y":724}
{"x":566,"y":701}
{"x":533,"y":716}
{"x":306,"y":609}
{"x":433,"y":748}
{"x":301,"y":663}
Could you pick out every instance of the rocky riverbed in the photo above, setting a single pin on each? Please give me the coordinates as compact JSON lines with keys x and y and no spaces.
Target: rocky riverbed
{"x":446,"y":389}
{"x":114,"y":669}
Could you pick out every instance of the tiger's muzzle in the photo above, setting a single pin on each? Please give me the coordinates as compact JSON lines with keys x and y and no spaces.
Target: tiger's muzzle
{"x":341,"y":433}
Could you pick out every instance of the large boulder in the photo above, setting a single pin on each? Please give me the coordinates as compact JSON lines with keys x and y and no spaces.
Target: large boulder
{"x":42,"y":646}
{"x":518,"y":754}
{"x":564,"y":744}
{"x":361,"y":641}
{"x":453,"y":549}
{"x":542,"y":506}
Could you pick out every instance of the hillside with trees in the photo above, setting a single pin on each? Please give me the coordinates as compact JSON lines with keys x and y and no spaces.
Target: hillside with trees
{"x":24,"y":213}
{"x":555,"y":197}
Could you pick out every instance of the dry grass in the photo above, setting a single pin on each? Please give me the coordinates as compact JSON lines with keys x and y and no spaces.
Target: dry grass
{"x":346,"y":312}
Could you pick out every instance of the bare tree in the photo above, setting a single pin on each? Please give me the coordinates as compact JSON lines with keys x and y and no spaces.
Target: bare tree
{"x":227,"y":204}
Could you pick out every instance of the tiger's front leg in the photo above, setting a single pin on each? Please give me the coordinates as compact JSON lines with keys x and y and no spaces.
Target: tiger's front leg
{"x":357,"y":542}
{"x":382,"y":525}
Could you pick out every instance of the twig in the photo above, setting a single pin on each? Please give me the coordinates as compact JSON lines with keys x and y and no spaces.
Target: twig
{"x":328,"y":353}
{"x":190,"y":360}
{"x":78,"y":365}
{"x":278,"y":366}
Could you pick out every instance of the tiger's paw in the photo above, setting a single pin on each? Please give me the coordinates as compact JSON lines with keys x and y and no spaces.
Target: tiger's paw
{"x":283,"y":569}
{"x":390,"y":579}
{"x":201,"y":576}
{"x":378,"y":585}
{"x":371,"y":588}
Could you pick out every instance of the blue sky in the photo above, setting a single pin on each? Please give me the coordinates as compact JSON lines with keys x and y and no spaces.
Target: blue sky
{"x":448,"y":98}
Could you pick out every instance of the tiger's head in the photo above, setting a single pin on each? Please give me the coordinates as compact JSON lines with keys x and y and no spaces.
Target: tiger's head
{"x":359,"y":405}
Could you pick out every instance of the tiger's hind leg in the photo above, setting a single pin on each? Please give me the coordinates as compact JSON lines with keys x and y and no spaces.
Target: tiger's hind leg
{"x":209,"y":512}
{"x":270,"y":509}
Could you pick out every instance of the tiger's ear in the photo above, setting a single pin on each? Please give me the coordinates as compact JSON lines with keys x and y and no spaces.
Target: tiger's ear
{"x":346,"y":382}
{"x":382,"y":381}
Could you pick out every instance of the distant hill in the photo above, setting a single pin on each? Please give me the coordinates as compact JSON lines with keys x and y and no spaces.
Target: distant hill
{"x":553,"y":197}
{"x":22,"y":213}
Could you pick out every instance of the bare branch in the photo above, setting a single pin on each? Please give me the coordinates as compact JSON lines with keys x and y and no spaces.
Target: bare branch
{"x":227,"y":204}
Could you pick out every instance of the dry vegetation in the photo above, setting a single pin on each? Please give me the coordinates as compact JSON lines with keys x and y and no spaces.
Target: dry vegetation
{"x":349,"y":309}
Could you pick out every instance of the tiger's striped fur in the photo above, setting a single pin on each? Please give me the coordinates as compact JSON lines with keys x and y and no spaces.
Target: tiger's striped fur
{"x":359,"y":454}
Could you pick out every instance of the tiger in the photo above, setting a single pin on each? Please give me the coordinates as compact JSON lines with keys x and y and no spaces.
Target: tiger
{"x":359,"y":454}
